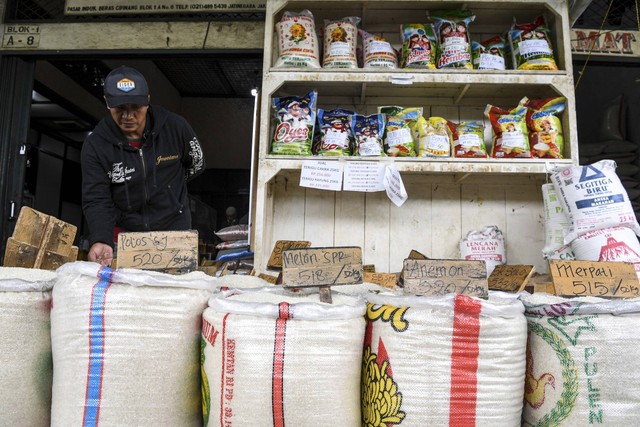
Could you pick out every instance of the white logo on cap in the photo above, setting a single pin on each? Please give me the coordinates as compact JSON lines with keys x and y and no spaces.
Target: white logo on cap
{"x":126,"y":85}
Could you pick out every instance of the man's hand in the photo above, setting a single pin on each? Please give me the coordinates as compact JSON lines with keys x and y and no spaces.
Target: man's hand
{"x":101,"y":253}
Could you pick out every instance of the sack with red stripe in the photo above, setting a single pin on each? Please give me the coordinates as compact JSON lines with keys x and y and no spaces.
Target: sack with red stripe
{"x":451,"y":360}
{"x":25,"y":346}
{"x":126,"y":346}
{"x":582,"y":363}
{"x":275,"y":358}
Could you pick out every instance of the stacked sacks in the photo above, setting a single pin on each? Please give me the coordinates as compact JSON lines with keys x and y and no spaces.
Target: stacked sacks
{"x":602,"y":223}
{"x":272,"y":357}
{"x":450,"y":360}
{"x":581,"y":364}
{"x":612,"y":143}
{"x":556,"y":225}
{"x":25,"y":346}
{"x":126,"y":346}
{"x":234,"y":248}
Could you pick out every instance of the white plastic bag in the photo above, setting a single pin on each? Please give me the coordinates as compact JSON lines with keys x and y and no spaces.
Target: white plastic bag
{"x":297,"y":41}
{"x":485,"y":244}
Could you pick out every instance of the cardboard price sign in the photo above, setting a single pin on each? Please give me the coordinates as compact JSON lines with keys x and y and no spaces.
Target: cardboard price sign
{"x":441,"y":277}
{"x":275,"y":260}
{"x":594,"y":278}
{"x":322,"y":267}
{"x":158,"y":250}
{"x":510,"y":278}
{"x":387,"y":280}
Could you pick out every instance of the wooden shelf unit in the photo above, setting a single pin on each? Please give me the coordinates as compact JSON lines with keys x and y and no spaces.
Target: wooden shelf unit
{"x":447,"y":196}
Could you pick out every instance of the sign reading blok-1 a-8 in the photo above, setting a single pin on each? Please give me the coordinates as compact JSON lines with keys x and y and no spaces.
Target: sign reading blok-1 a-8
{"x":21,"y":36}
{"x":110,"y":7}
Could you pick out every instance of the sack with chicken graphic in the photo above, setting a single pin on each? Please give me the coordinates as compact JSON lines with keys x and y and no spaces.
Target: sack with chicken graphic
{"x":582,"y":367}
{"x":273,"y":357}
{"x":125,"y":346}
{"x":448,"y":360}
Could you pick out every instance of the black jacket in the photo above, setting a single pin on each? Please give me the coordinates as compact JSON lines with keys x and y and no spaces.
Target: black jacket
{"x":139,"y":190}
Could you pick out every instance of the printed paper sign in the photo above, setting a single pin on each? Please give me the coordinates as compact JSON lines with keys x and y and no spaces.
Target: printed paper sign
{"x":98,"y":7}
{"x":363,"y":176}
{"x":394,"y":186}
{"x":321,"y":174}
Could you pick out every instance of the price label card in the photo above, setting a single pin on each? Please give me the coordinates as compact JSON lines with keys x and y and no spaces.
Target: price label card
{"x":441,"y":277}
{"x":158,"y":250}
{"x":387,"y":280}
{"x":594,"y":278}
{"x":322,"y":267}
{"x":275,"y":260}
{"x":510,"y":278}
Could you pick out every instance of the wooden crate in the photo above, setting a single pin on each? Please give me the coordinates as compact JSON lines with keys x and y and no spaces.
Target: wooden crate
{"x":40,"y":241}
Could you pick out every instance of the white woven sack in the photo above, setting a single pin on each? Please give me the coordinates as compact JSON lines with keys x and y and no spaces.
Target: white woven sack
{"x":617,"y":244}
{"x":272,"y":358}
{"x":485,"y":244}
{"x":556,"y":223}
{"x":240,"y":281}
{"x":452,"y":360}
{"x":25,"y":347}
{"x":126,"y":346}
{"x":582,"y":364}
{"x":593,"y":198}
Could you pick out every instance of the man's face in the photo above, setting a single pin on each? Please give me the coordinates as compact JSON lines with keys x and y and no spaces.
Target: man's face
{"x":130,"y":118}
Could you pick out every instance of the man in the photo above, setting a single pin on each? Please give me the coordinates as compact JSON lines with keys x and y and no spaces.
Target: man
{"x":135,"y":165}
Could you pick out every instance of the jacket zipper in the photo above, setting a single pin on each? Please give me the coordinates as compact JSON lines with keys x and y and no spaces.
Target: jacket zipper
{"x":146,"y":194}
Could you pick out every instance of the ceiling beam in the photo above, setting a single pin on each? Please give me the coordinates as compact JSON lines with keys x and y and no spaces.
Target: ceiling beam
{"x":129,"y":36}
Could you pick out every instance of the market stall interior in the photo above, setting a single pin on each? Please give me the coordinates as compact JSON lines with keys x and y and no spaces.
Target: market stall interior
{"x":213,"y":91}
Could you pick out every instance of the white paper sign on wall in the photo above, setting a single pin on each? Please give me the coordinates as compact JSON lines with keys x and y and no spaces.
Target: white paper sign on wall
{"x":363,"y":176}
{"x":394,"y":186}
{"x":322,"y":175}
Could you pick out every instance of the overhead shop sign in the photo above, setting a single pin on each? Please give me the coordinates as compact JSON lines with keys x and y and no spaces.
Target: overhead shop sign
{"x":111,"y":7}
{"x":605,"y":43}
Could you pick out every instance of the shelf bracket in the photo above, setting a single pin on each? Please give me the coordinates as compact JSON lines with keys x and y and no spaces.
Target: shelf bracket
{"x":462,"y":93}
{"x":459,"y":177}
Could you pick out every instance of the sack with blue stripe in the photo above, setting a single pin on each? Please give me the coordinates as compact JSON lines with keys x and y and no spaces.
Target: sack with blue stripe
{"x":126,"y":346}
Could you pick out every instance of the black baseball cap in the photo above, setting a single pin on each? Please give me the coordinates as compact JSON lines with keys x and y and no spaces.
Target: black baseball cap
{"x":125,"y":85}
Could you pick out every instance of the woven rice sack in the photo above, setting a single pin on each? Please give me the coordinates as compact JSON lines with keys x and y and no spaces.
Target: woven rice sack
{"x":126,"y":347}
{"x":593,"y":197}
{"x":582,"y":364}
{"x":485,"y":244}
{"x":452,"y":360}
{"x":25,"y":347}
{"x":273,"y":358}
{"x":240,"y":281}
{"x":615,"y":244}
